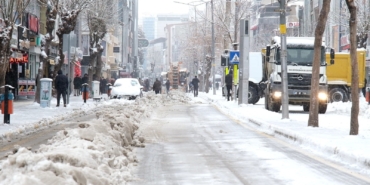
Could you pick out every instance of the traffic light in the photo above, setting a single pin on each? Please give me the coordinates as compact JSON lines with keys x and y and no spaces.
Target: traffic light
{"x":224,"y":60}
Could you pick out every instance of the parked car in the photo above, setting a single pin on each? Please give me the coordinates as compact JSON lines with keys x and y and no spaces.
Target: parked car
{"x":128,"y":88}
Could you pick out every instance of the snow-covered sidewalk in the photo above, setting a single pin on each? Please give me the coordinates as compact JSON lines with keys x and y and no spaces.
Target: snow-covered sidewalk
{"x":330,"y":140}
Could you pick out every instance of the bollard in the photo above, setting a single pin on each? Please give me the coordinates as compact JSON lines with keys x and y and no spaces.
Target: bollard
{"x":7,"y":103}
{"x":85,"y":92}
{"x":368,"y":95}
{"x":109,"y":89}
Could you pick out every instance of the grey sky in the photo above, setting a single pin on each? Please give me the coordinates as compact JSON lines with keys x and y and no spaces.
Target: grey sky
{"x":154,"y":7}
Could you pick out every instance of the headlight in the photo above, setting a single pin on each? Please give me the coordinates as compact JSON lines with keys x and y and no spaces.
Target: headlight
{"x":323,"y":96}
{"x":277,"y":94}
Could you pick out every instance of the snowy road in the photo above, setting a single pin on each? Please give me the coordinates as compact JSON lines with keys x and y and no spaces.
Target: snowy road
{"x":196,"y":144}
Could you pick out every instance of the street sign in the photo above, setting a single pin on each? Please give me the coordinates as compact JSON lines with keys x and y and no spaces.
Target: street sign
{"x":142,"y":43}
{"x":234,"y":57}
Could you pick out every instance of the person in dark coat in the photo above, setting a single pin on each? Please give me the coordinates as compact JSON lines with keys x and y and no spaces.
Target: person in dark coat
{"x":195,"y":83}
{"x":61,"y":85}
{"x":157,"y":86}
{"x":77,"y":81}
{"x":103,"y":85}
{"x":168,"y":86}
{"x":229,"y":85}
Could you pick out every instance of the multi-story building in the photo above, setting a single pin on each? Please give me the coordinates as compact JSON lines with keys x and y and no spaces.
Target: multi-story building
{"x":149,"y":25}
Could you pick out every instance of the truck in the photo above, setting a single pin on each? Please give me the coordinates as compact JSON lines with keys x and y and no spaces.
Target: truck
{"x":339,"y":75}
{"x":300,"y":53}
{"x":255,"y":89}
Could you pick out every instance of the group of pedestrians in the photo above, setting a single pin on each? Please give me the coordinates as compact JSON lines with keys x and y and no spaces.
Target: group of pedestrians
{"x":157,"y":86}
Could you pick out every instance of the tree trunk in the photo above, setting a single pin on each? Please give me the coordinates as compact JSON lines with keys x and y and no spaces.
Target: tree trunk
{"x":99,"y":64}
{"x":353,"y":53}
{"x":313,"y":119}
{"x":5,"y":52}
{"x":50,"y":21}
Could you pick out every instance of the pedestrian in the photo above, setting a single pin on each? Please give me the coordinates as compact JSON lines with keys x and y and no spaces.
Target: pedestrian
{"x":61,"y":85}
{"x":195,"y":83}
{"x":168,"y":86}
{"x":190,"y":87}
{"x":217,"y":85}
{"x":103,"y":85}
{"x":146,"y":85}
{"x":157,"y":86}
{"x":229,"y":85}
{"x":77,"y":85}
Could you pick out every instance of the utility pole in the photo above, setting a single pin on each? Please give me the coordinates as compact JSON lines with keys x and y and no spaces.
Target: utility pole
{"x":244,"y":62}
{"x":213,"y":51}
{"x":285,"y":98}
{"x":135,"y":38}
{"x":226,"y":40}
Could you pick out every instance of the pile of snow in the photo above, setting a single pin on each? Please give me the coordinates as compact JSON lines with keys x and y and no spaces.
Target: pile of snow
{"x":97,"y":152}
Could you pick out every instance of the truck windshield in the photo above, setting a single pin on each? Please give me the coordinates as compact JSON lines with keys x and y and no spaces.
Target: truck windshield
{"x":301,"y":56}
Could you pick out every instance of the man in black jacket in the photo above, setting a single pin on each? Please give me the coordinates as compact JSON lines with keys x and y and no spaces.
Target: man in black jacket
{"x":229,"y":85}
{"x":195,"y":83}
{"x":61,"y":85}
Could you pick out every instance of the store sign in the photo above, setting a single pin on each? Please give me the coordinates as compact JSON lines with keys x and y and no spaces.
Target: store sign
{"x":292,"y":24}
{"x":344,"y":40}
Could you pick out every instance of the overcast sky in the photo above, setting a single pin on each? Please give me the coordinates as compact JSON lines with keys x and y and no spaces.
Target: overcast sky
{"x":154,"y":7}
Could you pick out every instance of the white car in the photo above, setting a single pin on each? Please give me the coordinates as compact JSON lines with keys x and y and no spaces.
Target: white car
{"x":128,"y":88}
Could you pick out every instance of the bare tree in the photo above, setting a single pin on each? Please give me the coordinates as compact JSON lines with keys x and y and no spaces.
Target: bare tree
{"x":8,"y":18}
{"x":68,"y":11}
{"x":101,"y":17}
{"x":313,"y":119}
{"x":353,"y":53}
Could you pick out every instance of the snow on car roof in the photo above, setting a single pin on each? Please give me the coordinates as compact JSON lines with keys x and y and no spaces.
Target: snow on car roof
{"x":296,"y":41}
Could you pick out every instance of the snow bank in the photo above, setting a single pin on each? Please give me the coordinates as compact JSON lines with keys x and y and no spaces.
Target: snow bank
{"x":97,"y":152}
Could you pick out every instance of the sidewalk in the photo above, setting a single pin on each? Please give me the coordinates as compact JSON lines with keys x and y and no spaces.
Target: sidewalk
{"x":330,"y":140}
{"x":29,"y":116}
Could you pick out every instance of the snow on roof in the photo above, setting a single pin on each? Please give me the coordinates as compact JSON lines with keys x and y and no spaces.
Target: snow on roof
{"x":296,"y":41}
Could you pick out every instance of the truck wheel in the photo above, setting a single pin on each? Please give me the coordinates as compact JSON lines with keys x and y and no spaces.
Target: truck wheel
{"x":338,"y":95}
{"x":322,"y":108}
{"x":306,"y":107}
{"x":276,"y":107}
{"x":253,"y":97}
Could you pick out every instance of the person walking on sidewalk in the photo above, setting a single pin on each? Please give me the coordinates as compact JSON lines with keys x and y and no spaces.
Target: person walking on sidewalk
{"x":195,"y":83}
{"x":157,"y":86}
{"x":77,"y":81}
{"x":168,"y":86}
{"x":229,"y":85}
{"x":61,"y":85}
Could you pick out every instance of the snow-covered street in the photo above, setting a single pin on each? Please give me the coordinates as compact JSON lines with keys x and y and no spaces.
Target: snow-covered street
{"x":109,"y":149}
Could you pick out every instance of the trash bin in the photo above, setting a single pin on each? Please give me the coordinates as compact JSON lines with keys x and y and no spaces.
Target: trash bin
{"x":96,"y":90}
{"x":45,"y":92}
{"x":10,"y":103}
